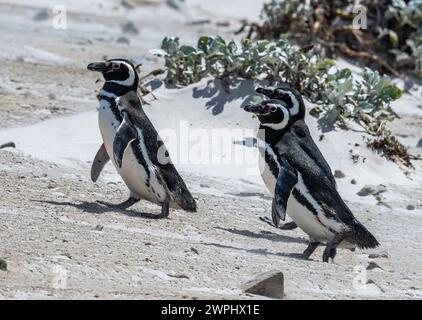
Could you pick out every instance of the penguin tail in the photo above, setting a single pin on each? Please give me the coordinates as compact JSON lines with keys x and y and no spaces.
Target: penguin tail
{"x":189,"y":205}
{"x":187,"y":202}
{"x":362,"y":237}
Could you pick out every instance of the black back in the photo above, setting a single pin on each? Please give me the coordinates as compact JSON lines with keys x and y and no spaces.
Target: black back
{"x":157,"y":151}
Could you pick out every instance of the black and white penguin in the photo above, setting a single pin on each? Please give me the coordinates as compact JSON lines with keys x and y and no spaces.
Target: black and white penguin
{"x":304,"y":189}
{"x":132,"y":143}
{"x":297,"y":110}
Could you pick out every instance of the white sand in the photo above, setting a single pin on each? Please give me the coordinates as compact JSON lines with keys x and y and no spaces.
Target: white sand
{"x":47,"y":207}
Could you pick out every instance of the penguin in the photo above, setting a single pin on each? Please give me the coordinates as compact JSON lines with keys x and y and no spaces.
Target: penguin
{"x":297,"y":110}
{"x":304,"y":189}
{"x":133,"y":145}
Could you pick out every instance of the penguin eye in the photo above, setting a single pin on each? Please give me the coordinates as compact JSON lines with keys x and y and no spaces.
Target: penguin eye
{"x":115,"y":66}
{"x":270,"y":108}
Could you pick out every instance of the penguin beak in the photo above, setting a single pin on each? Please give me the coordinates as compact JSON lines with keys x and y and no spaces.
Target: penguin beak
{"x":257,"y":109}
{"x":97,"y":66}
{"x":267,"y":92}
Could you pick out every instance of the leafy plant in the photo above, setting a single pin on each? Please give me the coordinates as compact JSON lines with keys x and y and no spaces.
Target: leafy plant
{"x":392,"y":149}
{"x":392,"y":41}
{"x":336,"y":92}
{"x":316,"y":78}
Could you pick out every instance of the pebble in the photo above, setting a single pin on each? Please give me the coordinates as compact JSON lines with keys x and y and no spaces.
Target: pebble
{"x":372,"y":190}
{"x":377,"y":255}
{"x":269,"y":284}
{"x":339,"y":174}
{"x":41,"y":15}
{"x":123,"y":40}
{"x":3,"y":265}
{"x":99,"y":227}
{"x":129,"y":27}
{"x":373,"y":265}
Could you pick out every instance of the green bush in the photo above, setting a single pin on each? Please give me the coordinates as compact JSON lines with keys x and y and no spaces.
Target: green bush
{"x":336,"y":93}
{"x":334,"y":90}
{"x":392,"y":42}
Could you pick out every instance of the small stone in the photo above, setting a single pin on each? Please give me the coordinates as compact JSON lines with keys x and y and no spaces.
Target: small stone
{"x":52,"y":185}
{"x":384,"y":204}
{"x":175,"y":4}
{"x":419,"y":144}
{"x":123,"y":40}
{"x":3,"y":265}
{"x":339,"y":174}
{"x":372,"y":190}
{"x":129,"y":27}
{"x":373,"y":265}
{"x":269,"y":284}
{"x":68,"y":255}
{"x":178,"y":276}
{"x":377,"y":255}
{"x":353,"y":181}
{"x":194,"y":250}
{"x":410,"y":207}
{"x":41,"y":15}
{"x":8,"y":145}
{"x":99,"y":227}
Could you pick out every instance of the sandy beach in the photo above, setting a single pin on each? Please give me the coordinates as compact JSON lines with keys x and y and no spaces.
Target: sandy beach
{"x":60,"y":244}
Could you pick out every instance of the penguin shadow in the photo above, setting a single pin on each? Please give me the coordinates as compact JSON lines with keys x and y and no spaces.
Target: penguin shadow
{"x":267,"y":235}
{"x":248,"y":142}
{"x":219,"y":92}
{"x":327,"y":122}
{"x":97,"y":208}
{"x":258,"y":251}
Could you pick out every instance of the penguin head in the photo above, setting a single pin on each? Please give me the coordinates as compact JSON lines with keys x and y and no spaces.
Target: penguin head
{"x":290,"y":96}
{"x":272,"y":114}
{"x":119,"y":74}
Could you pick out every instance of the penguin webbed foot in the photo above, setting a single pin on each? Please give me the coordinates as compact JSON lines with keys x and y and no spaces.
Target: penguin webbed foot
{"x":331,"y":249}
{"x":122,"y":206}
{"x":288,"y":226}
{"x":310,"y":249}
{"x":285,"y":226}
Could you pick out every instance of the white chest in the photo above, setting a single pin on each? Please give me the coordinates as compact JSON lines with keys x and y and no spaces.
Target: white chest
{"x":267,"y":175}
{"x":140,"y":178}
{"x":318,"y":226}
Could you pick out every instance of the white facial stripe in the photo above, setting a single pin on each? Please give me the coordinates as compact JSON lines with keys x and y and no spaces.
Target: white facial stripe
{"x":107,"y":94}
{"x":295,"y":109}
{"x":281,"y":125}
{"x":155,"y":182}
{"x":330,"y":223}
{"x":129,"y":81}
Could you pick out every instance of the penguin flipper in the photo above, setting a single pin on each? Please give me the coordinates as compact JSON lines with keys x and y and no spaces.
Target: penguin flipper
{"x":301,"y":132}
{"x":178,"y":188}
{"x":100,"y":160}
{"x":286,"y":181}
{"x":126,"y":133}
